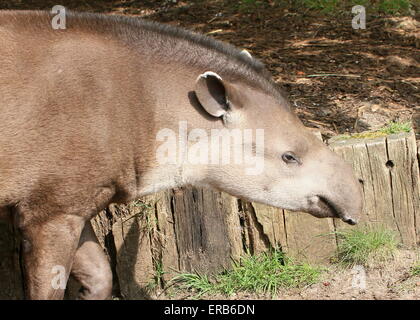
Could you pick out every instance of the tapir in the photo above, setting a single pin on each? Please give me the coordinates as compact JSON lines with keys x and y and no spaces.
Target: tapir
{"x":86,"y":115}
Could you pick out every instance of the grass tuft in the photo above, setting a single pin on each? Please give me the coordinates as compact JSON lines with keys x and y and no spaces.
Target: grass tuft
{"x":365,"y":246}
{"x":396,"y":127}
{"x":326,"y":6}
{"x":388,"y":7}
{"x":390,"y":128}
{"x":415,"y":270}
{"x":265,"y":273}
{"x":394,"y":6}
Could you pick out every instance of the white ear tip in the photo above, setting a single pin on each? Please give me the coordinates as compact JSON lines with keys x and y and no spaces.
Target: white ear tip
{"x":209,"y":73}
{"x":246,"y":53}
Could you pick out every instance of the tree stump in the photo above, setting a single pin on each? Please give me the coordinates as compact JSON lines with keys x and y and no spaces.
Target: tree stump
{"x":389,"y":171}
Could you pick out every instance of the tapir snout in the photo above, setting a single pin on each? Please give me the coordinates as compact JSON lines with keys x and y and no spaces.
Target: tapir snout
{"x":342,"y":198}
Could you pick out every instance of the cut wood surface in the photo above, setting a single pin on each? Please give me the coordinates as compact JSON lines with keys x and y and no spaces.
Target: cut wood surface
{"x":200,"y":230}
{"x":389,"y":171}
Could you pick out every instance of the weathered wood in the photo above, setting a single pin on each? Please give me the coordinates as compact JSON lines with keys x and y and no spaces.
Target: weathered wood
{"x":272,"y":225}
{"x":369,"y":163}
{"x":201,"y":230}
{"x":169,"y":257}
{"x":404,"y":176}
{"x":388,"y":168}
{"x":132,"y":235}
{"x":417,"y":216}
{"x":102,"y":225}
{"x":309,"y":238}
{"x":235,"y":231}
{"x":10,"y":275}
{"x":257,"y":240}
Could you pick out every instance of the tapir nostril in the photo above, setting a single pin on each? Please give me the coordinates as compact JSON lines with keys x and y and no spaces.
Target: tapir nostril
{"x":350,"y":221}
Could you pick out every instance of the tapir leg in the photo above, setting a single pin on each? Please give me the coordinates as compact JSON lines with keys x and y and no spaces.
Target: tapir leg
{"x":48,"y":248}
{"x":91,"y":267}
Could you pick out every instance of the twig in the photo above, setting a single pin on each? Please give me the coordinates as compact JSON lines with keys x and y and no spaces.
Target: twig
{"x":333,"y":75}
{"x":318,"y":122}
{"x":215,"y":31}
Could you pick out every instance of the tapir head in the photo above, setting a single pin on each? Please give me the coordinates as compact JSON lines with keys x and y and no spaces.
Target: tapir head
{"x":287,"y":167}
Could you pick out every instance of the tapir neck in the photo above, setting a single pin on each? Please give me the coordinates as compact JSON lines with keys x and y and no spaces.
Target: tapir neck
{"x":176,"y":112}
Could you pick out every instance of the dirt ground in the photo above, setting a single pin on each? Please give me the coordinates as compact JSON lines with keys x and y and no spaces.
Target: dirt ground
{"x":373,"y":78}
{"x":390,"y":281}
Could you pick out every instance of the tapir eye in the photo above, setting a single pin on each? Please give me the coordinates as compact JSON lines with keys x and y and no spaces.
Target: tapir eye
{"x":290,"y":157}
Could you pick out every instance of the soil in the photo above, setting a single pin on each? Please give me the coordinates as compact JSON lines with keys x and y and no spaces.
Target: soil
{"x":339,"y":80}
{"x":391,"y":280}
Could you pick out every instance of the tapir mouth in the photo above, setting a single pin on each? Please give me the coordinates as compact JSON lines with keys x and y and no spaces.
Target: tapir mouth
{"x":334,"y":211}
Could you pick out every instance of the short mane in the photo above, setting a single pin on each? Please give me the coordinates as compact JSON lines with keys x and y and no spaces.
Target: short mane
{"x":172,"y":43}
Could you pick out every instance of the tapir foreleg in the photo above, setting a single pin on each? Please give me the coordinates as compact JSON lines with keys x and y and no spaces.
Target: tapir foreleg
{"x":91,"y":267}
{"x":57,"y":239}
{"x":48,"y":250}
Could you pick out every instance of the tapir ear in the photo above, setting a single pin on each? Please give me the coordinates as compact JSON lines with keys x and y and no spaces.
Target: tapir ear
{"x":246,"y":54}
{"x":212,"y":93}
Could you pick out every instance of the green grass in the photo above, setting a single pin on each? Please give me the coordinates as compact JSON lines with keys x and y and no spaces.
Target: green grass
{"x":387,"y":7}
{"x":146,"y":212}
{"x":390,"y":128}
{"x":265,"y":273}
{"x":327,"y":6}
{"x":157,"y":280}
{"x":415,"y":270}
{"x":249,"y":5}
{"x":396,"y":127}
{"x":365,"y":246}
{"x":394,"y":6}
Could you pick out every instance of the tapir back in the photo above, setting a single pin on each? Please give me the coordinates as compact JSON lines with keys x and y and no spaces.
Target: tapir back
{"x":67,"y":101}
